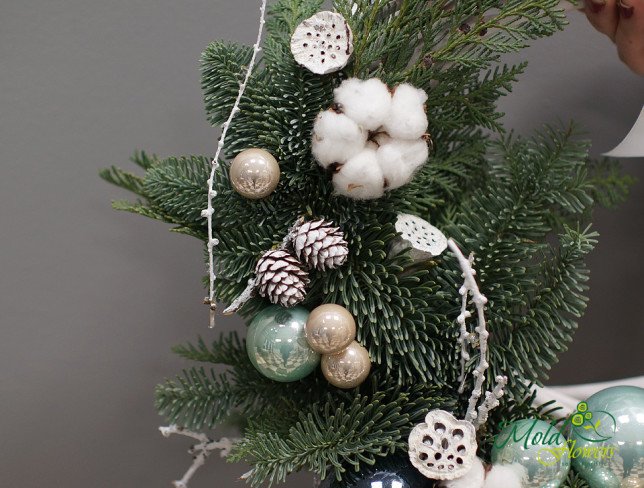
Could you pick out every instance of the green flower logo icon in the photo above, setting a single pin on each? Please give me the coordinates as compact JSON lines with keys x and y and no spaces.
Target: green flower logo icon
{"x":583,"y":419}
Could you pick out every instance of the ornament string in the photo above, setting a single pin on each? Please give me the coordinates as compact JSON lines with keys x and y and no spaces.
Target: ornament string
{"x":208,"y":212}
{"x":470,"y":288}
{"x":200,"y":451}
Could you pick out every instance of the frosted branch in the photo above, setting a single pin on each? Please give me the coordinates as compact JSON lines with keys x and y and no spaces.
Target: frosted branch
{"x":491,"y":400}
{"x":208,"y":212}
{"x":246,"y":295}
{"x":200,"y":451}
{"x":471,"y":289}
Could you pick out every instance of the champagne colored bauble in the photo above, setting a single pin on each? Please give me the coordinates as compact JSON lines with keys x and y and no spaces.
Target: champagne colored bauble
{"x":254,"y":173}
{"x":607,"y":444}
{"x":348,"y":368}
{"x":330,"y":328}
{"x":276,"y":344}
{"x":538,"y":447}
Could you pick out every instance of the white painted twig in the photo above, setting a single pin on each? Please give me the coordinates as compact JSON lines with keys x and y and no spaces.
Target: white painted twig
{"x":465,"y":338}
{"x":491,"y":400}
{"x":470,"y":288}
{"x":208,"y":212}
{"x":200,"y":451}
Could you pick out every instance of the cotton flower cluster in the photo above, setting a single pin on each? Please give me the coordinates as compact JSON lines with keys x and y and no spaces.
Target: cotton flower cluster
{"x":372,"y":139}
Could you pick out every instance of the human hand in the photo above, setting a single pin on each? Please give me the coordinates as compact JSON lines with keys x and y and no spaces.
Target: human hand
{"x":623,"y":22}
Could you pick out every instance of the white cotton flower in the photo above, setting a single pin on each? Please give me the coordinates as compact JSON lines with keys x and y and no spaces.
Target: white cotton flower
{"x":505,"y":476}
{"x":399,"y":159}
{"x":474,"y":478}
{"x":360,"y":177}
{"x":336,"y":138}
{"x":407,"y":118}
{"x":367,"y":102}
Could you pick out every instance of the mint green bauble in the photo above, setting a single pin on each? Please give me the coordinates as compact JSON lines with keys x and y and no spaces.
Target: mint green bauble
{"x":608,"y":447}
{"x":537,"y":446}
{"x":277,"y":346}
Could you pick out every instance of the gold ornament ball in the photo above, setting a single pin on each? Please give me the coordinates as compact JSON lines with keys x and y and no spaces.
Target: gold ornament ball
{"x":348,"y":368}
{"x":254,"y":173}
{"x":330,"y":328}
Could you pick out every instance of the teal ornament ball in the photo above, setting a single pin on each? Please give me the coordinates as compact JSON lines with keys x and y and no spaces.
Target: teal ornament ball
{"x":277,"y":345}
{"x":607,"y":449}
{"x":538,"y":448}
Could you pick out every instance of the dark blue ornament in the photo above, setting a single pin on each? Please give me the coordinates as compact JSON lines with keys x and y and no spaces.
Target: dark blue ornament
{"x":391,"y":472}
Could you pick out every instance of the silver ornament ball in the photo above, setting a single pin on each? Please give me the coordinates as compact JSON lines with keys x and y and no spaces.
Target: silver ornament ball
{"x":330,"y":328}
{"x":254,"y":173}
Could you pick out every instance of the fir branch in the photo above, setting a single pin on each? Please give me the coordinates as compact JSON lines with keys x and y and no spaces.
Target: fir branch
{"x":144,"y":160}
{"x":223,"y":66}
{"x":140,"y":209}
{"x":229,"y":350}
{"x":332,"y":436}
{"x":123,"y":179}
{"x":175,"y":185}
{"x":608,"y":186}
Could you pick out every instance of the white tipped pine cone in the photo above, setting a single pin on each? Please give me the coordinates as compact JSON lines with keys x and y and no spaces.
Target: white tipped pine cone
{"x":320,"y":245}
{"x":281,"y":279}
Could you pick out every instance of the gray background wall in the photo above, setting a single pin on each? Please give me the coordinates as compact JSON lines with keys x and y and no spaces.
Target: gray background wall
{"x":91,"y":300}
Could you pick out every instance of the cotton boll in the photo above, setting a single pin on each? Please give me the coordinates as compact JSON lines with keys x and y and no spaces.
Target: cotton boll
{"x":371,"y":145}
{"x":399,"y":159}
{"x":407,"y":118}
{"x":360,"y":177}
{"x":381,"y":138}
{"x":366,"y":102}
{"x":505,"y":476}
{"x":336,"y":138}
{"x":474,"y":478}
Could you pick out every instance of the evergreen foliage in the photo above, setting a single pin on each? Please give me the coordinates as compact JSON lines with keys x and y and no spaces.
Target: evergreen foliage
{"x":522,"y":206}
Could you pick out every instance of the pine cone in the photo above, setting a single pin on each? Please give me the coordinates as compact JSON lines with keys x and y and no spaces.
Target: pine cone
{"x":281,"y":279}
{"x":319,"y":245}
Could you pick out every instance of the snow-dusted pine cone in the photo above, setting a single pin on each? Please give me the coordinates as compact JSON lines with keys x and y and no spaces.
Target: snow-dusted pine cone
{"x":281,"y":279}
{"x":320,"y":245}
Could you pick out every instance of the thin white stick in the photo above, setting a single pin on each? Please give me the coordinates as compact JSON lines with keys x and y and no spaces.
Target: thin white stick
{"x":212,"y":242}
{"x":470,"y":288}
{"x":200,"y":451}
{"x":464,"y":338}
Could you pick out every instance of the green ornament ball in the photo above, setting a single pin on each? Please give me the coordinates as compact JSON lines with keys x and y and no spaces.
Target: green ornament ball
{"x":277,"y":346}
{"x":538,"y":447}
{"x":607,"y":450}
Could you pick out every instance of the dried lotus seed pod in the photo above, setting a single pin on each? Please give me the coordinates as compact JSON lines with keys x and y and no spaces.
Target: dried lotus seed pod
{"x":425,"y":240}
{"x":323,"y":43}
{"x":443,"y":448}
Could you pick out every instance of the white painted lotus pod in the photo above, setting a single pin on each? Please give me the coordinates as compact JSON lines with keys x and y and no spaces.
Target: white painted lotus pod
{"x":443,"y":448}
{"x":425,"y":240}
{"x":323,"y":43}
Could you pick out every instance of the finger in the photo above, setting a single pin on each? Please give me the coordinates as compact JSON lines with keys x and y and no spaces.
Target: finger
{"x":603,"y":15}
{"x":630,"y":34}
